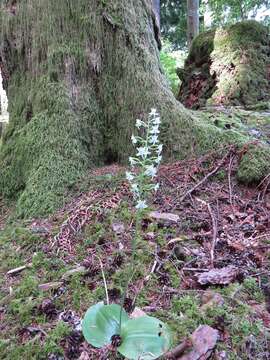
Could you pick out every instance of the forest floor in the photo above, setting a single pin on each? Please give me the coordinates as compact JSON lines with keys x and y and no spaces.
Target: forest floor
{"x":202,"y":259}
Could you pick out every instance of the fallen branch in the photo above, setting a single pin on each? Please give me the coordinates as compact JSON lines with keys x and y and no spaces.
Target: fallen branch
{"x":19,"y":269}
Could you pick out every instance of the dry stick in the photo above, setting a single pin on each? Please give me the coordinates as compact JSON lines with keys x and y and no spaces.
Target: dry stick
{"x":104,"y":280}
{"x":179,"y":350}
{"x":267,"y":180}
{"x":230,"y":180}
{"x":214,"y":225}
{"x":213,"y":172}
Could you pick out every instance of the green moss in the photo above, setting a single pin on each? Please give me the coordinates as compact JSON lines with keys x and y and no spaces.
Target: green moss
{"x":240,"y":62}
{"x":201,"y":48}
{"x":254,"y":165}
{"x":228,"y":66}
{"x":261,"y":105}
{"x":73,"y":104}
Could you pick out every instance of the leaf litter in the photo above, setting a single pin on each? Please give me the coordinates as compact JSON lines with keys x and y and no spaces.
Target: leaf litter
{"x":214,"y":233}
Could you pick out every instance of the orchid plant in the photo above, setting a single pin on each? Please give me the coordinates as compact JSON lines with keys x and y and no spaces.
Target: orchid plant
{"x":146,"y":337}
{"x":147,"y":159}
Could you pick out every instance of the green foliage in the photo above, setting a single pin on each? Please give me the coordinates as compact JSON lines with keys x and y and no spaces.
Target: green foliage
{"x":144,"y":336}
{"x":174,"y":22}
{"x":223,"y":12}
{"x":231,"y":11}
{"x":171,"y":60}
{"x":101,"y":322}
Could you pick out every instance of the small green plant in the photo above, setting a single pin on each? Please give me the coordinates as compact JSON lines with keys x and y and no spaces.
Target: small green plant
{"x":171,"y":60}
{"x":146,"y":337}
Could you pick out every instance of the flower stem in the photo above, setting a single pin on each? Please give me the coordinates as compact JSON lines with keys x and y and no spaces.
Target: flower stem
{"x":132,"y":263}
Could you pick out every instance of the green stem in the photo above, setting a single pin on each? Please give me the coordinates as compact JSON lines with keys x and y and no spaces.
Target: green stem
{"x":132,"y":264}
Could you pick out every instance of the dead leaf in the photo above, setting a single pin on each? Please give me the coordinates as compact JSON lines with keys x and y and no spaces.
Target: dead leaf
{"x":118,"y":228}
{"x":222,"y":355}
{"x":84,"y":356}
{"x":261,"y":313}
{"x":50,"y":286}
{"x":79,"y":270}
{"x":178,"y":239}
{"x":137,"y":312}
{"x":164,"y":216}
{"x":204,"y":340}
{"x":211,"y":299}
{"x":221,"y":276}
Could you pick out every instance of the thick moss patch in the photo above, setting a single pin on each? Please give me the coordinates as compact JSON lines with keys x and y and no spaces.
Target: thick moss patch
{"x":254,"y":165}
{"x":228,"y":66}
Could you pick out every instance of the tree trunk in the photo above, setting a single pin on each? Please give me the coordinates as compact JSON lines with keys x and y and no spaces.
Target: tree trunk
{"x":193,"y":22}
{"x":78,"y":73}
{"x":156,"y":6}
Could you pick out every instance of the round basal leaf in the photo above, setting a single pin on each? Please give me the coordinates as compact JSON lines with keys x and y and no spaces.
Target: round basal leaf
{"x":101,"y":322}
{"x":144,"y":338}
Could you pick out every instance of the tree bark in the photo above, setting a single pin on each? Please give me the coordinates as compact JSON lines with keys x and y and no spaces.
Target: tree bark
{"x":78,"y":73}
{"x":193,"y":25}
{"x":156,"y":6}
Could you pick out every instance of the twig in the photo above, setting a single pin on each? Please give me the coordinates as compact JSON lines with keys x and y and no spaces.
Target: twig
{"x":179,"y":350}
{"x":104,"y":280}
{"x":265,"y":181}
{"x":195,"y":269}
{"x":230,"y":180}
{"x":214,"y":225}
{"x":213,"y":172}
{"x":19,"y":269}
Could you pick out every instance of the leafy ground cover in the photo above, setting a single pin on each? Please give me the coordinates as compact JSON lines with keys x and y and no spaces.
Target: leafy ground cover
{"x":202,"y":259}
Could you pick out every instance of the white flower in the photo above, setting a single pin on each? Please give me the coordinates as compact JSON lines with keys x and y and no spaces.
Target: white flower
{"x":143,"y":152}
{"x":132,"y":161}
{"x":156,"y":187}
{"x":153,"y":139}
{"x":158,"y":159}
{"x":154,"y":130}
{"x":139,"y":123}
{"x":157,"y":121}
{"x":141,"y":205}
{"x":151,"y":171}
{"x":129,"y":176}
{"x":153,"y":112}
{"x":159,"y":149}
{"x":134,"y":139}
{"x":134,"y":188}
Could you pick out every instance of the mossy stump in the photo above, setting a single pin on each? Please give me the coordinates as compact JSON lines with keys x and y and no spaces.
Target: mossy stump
{"x":229,"y":66}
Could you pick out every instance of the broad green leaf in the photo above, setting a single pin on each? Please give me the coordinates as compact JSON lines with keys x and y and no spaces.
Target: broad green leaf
{"x":101,"y":322}
{"x":144,"y":338}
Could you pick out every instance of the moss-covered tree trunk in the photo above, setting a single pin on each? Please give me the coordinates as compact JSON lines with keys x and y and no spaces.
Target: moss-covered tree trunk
{"x":78,"y":73}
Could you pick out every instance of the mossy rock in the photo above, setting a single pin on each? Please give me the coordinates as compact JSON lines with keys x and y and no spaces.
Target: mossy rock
{"x":254,"y":164}
{"x":228,"y":66}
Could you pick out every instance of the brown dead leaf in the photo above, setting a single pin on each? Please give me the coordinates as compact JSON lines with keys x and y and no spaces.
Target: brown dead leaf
{"x":261,"y":313}
{"x":137,"y":312}
{"x":221,"y":276}
{"x":155,"y":215}
{"x":204,"y":340}
{"x":211,"y":299}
